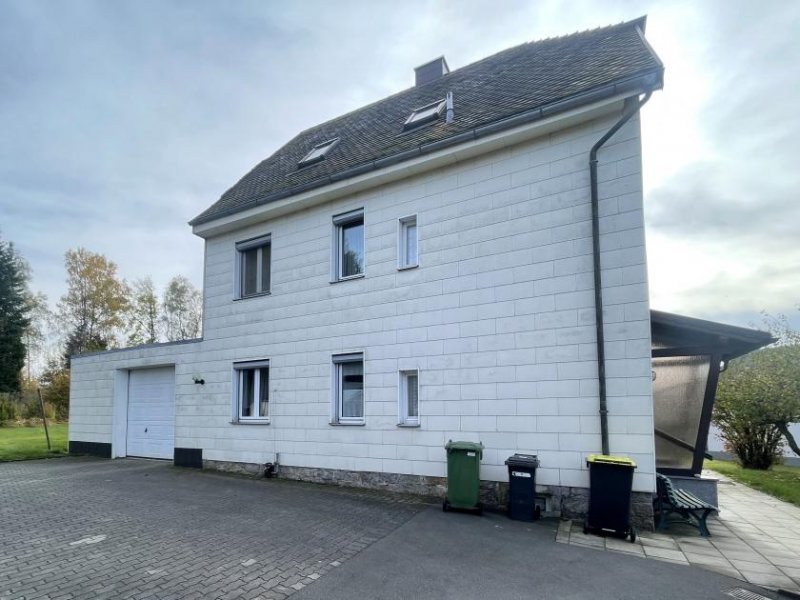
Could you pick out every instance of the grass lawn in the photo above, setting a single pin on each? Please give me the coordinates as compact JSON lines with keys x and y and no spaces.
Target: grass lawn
{"x":21,"y":443}
{"x":780,"y":481}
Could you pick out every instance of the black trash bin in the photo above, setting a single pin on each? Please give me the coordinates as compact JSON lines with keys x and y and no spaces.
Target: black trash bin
{"x":522,"y":487}
{"x":610,"y":486}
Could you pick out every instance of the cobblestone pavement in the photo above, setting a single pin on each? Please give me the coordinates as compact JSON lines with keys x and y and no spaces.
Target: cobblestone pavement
{"x":755,"y":538}
{"x":87,"y":528}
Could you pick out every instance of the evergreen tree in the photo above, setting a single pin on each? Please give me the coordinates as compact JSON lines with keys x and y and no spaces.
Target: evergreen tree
{"x":14,"y":316}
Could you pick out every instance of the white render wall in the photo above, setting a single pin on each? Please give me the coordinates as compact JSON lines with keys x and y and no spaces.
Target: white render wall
{"x":498,"y":319}
{"x":92,"y":381}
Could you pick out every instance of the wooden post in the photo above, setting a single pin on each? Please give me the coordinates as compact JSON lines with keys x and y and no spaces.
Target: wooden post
{"x":44,"y":419}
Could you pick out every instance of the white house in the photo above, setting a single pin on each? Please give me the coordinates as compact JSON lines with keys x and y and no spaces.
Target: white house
{"x":419,"y":270}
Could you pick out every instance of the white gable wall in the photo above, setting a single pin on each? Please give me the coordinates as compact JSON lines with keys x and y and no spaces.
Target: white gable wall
{"x":498,"y":319}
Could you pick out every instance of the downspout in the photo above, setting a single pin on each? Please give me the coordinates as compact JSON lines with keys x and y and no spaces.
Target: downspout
{"x":598,"y":284}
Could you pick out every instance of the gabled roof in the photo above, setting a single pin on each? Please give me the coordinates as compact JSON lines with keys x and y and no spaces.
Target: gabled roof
{"x":529,"y":81}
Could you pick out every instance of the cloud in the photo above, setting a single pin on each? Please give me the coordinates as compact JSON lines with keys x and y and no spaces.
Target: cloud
{"x":723,"y":223}
{"x":123,"y":120}
{"x":721,"y":205}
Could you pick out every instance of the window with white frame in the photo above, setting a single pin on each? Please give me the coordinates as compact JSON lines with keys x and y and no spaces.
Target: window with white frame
{"x":409,"y":397}
{"x":348,"y":256}
{"x":253,"y":269}
{"x":251,"y":390}
{"x":407,"y":243}
{"x":348,"y":388}
{"x":425,"y":114}
{"x":317,"y":153}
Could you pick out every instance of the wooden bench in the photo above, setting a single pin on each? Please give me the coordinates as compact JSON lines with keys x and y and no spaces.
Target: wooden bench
{"x":671,"y":500}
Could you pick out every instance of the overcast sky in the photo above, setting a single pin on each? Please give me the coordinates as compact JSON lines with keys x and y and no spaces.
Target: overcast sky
{"x":120,"y":121}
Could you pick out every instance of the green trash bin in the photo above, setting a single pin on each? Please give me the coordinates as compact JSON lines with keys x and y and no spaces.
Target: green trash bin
{"x":463,"y":476}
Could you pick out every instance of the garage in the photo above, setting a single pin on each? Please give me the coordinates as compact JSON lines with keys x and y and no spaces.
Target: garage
{"x":151,"y":413}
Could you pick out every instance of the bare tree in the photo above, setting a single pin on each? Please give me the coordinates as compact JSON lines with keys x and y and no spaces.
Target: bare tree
{"x":182,"y":310}
{"x":93,"y":308}
{"x":144,"y":313}
{"x":36,"y":334}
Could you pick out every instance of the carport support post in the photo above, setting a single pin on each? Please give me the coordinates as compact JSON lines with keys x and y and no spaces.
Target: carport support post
{"x":44,"y":418}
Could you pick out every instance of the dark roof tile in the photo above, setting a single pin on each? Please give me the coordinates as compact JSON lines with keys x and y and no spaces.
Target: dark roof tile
{"x":510,"y":82}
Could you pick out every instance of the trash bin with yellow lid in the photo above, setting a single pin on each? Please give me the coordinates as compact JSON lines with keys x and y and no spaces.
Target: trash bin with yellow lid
{"x":610,"y":487}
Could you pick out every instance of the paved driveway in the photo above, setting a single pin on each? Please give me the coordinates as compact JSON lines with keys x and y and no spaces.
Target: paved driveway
{"x":84,"y":528}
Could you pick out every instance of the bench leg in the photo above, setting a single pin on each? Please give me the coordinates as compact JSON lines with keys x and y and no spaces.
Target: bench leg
{"x":662,"y":519}
{"x":701,"y":521}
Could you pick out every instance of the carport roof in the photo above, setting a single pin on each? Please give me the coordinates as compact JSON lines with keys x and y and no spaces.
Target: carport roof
{"x":670,"y":330}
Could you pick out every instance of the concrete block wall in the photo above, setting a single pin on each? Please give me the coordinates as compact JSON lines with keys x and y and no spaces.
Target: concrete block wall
{"x":92,"y":381}
{"x":498,"y":319}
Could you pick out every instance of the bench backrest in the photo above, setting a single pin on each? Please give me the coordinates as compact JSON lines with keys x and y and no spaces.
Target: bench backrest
{"x":664,"y":487}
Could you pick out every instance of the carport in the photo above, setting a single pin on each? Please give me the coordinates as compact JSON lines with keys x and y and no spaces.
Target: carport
{"x":688,"y":356}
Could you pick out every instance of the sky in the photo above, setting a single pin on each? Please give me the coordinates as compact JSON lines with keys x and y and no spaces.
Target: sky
{"x":120,"y":121}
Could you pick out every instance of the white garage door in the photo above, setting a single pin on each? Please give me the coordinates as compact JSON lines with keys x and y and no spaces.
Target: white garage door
{"x":151,"y":413}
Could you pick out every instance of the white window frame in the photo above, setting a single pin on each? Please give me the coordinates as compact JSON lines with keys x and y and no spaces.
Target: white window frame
{"x":402,"y":242}
{"x":317,"y":153}
{"x":238,"y":379}
{"x":337,"y":360}
{"x":425,"y":114}
{"x":339,"y":222}
{"x":241,"y":248}
{"x":404,"y":419}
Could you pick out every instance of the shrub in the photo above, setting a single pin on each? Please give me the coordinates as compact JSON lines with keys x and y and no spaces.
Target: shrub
{"x":9,"y":409}
{"x":31,"y":409}
{"x":758,"y":396}
{"x":55,"y":391}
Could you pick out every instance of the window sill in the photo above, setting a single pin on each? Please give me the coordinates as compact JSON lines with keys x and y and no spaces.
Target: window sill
{"x":351,"y":278}
{"x":409,"y":425}
{"x":347,"y":423}
{"x":408,"y":267}
{"x":261,"y":295}
{"x":252,"y":422}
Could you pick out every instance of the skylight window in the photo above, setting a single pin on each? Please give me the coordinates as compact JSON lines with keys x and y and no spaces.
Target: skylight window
{"x":317,"y":153}
{"x":425,"y":114}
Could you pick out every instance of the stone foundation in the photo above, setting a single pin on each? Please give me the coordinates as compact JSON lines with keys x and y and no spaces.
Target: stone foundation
{"x":556,"y":501}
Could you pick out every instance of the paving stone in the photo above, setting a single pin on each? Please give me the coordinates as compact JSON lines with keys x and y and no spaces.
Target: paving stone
{"x":756,"y":567}
{"x":707,"y":550}
{"x":769,"y":580}
{"x":705,"y":559}
{"x":587,"y":540}
{"x":143,"y":529}
{"x":753,"y":556}
{"x":729,"y":571}
{"x":793,"y":572}
{"x":624,"y":546}
{"x":666,"y":553}
{"x":668,"y":544}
